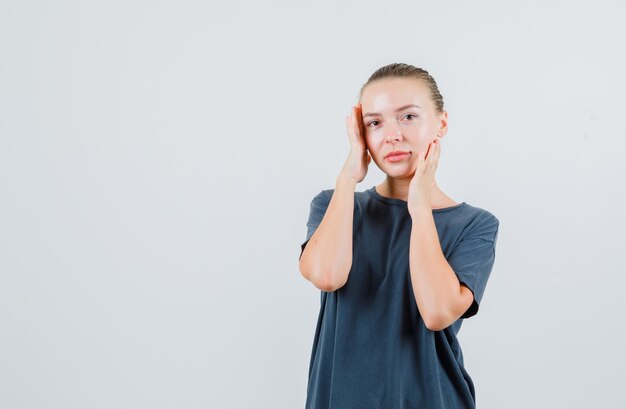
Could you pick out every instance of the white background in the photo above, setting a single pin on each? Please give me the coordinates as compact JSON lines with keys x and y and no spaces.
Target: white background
{"x":157,"y":161}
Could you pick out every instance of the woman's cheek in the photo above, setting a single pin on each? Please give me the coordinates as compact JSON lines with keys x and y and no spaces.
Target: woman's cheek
{"x":423,"y":143}
{"x":374,"y":140}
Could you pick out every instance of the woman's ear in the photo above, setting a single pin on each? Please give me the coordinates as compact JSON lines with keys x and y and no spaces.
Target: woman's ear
{"x":443,"y":125}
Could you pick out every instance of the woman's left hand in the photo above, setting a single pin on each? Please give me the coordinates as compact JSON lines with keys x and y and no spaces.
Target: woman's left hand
{"x":420,"y":189}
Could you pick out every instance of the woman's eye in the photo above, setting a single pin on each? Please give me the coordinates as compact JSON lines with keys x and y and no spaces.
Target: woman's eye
{"x":372,"y":122}
{"x":407,"y":115}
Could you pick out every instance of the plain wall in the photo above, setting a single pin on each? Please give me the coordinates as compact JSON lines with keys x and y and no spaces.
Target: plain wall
{"x":157,"y":161}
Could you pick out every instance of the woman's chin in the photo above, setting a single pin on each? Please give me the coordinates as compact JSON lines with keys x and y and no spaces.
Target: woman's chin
{"x":399,"y":173}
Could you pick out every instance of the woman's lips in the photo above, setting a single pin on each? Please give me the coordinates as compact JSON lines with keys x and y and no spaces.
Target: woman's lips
{"x":397,"y":156}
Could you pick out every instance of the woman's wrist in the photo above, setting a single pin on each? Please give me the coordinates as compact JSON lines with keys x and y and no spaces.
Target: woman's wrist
{"x":346,"y":180}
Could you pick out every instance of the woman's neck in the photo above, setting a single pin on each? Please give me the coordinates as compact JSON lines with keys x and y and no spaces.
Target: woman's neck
{"x":399,"y":189}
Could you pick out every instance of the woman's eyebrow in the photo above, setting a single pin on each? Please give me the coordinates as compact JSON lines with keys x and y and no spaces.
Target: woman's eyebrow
{"x":397,"y":110}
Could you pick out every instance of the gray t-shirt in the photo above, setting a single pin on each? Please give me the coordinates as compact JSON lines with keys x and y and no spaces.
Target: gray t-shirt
{"x":371,"y":347}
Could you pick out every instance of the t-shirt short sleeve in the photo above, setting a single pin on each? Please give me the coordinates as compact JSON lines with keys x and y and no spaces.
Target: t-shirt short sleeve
{"x":472,"y":259}
{"x":318,"y":207}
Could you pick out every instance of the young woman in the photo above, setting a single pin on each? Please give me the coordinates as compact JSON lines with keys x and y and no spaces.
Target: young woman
{"x":399,"y":265}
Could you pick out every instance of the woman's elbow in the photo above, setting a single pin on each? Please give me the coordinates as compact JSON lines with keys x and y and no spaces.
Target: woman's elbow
{"x":323,"y":278}
{"x":326,"y":285}
{"x":434,"y":325}
{"x":438,"y":322}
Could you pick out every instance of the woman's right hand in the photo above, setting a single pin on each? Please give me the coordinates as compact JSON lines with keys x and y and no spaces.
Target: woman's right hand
{"x":358,"y":158}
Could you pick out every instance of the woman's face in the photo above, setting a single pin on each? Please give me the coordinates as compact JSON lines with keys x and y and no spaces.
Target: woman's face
{"x":399,"y":115}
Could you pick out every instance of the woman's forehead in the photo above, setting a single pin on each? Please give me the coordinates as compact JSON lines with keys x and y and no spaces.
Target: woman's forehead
{"x":392,"y":94}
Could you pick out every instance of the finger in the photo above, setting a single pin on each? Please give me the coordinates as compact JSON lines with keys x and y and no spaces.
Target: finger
{"x":357,"y":126}
{"x":429,"y":158}
{"x":349,"y":129}
{"x":434,"y":161}
{"x":419,"y":169}
{"x":420,"y":158}
{"x":435,"y":149}
{"x":434,"y":154}
{"x":428,"y":150}
{"x":359,"y":119}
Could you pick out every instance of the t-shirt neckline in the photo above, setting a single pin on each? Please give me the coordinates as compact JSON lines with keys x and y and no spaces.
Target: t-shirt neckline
{"x":403,"y":203}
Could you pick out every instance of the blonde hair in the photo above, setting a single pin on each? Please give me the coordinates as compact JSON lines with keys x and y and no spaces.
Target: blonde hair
{"x":400,"y":70}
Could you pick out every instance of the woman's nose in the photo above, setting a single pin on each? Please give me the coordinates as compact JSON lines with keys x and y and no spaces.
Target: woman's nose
{"x":393,"y":137}
{"x":393,"y":134}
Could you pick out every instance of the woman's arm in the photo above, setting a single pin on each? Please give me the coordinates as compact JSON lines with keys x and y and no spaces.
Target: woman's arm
{"x":327,"y":257}
{"x":441,"y":299}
